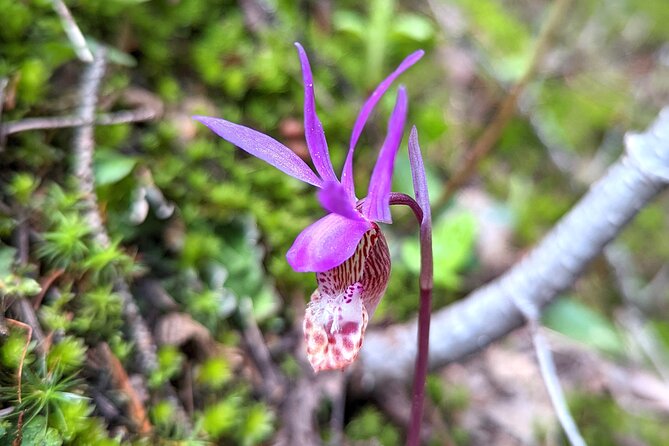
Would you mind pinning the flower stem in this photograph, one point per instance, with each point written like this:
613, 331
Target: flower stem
426, 274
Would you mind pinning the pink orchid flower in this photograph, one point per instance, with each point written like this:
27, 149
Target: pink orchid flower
346, 248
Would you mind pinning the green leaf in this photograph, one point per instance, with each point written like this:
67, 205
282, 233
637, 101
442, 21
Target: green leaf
579, 322
34, 75
7, 254
414, 27
349, 22
112, 167
115, 56
36, 432
453, 241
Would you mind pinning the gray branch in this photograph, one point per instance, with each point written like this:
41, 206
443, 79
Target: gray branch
490, 312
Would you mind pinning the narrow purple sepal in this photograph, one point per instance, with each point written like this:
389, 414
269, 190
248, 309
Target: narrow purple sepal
377, 206
418, 176
262, 146
313, 129
326, 243
366, 110
333, 198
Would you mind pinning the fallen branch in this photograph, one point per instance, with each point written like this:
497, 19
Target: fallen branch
489, 313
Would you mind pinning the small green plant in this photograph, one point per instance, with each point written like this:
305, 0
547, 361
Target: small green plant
104, 263
65, 243
169, 365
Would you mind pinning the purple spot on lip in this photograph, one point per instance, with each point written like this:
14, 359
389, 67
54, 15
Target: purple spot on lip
348, 328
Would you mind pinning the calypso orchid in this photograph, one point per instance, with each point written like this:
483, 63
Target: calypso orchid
346, 248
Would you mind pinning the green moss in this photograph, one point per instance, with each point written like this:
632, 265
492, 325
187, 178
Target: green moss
68, 355
602, 421
370, 424
221, 417
215, 372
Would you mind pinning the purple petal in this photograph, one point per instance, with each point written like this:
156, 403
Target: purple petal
423, 199
377, 206
366, 110
313, 129
333, 198
326, 243
418, 176
262, 146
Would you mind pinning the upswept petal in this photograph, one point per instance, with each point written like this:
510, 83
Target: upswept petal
262, 146
376, 206
418, 176
326, 243
366, 110
423, 199
313, 129
334, 199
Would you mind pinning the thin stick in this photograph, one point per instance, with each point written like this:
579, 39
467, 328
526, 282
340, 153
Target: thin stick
273, 385
45, 285
3, 84
73, 32
136, 409
338, 410
29, 329
21, 308
507, 108
549, 375
59, 122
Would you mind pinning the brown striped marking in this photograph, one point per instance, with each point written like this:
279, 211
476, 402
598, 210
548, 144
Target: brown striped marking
347, 295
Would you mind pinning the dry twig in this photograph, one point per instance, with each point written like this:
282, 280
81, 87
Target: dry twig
3, 84
136, 409
147, 110
507, 107
19, 372
73, 32
21, 308
273, 386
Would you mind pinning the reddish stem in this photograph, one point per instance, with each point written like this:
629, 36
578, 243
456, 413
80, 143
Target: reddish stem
426, 268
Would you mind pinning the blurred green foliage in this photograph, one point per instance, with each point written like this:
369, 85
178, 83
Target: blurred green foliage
576, 320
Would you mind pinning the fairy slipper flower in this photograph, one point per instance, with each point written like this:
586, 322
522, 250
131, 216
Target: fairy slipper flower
346, 248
